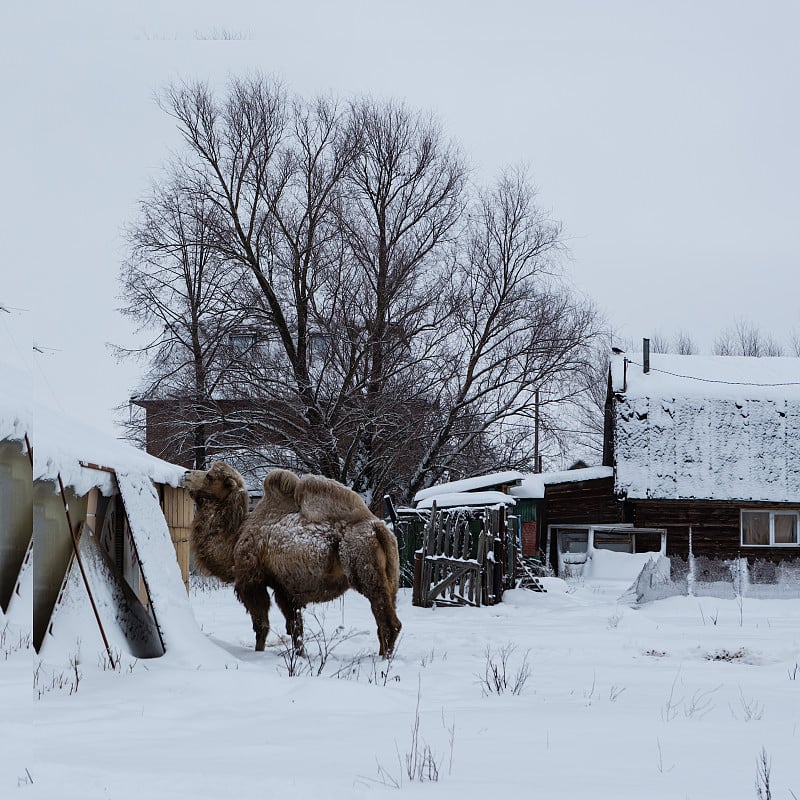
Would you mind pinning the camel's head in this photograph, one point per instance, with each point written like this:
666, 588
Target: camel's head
215, 484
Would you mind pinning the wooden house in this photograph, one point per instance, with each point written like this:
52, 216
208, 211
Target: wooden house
700, 452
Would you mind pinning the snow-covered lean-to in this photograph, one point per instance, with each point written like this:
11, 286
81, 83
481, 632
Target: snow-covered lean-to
309, 539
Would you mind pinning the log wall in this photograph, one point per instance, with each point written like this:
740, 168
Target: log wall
715, 524
715, 527
582, 503
579, 503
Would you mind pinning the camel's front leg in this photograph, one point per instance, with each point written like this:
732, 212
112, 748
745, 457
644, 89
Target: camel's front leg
294, 620
255, 598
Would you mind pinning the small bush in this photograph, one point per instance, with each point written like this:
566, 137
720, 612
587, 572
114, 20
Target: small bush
497, 675
419, 763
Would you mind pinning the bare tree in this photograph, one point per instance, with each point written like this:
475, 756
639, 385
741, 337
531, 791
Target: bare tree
271, 223
681, 344
311, 283
404, 201
176, 286
659, 343
745, 339
684, 344
400, 329
794, 342
588, 414
516, 329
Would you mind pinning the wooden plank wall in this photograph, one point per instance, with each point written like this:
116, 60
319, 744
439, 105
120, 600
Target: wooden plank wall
582, 503
579, 503
715, 528
179, 511
715, 524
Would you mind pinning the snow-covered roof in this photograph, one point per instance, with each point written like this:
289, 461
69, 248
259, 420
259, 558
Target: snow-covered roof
702, 427
532, 486
469, 484
524, 486
724, 377
455, 499
60, 444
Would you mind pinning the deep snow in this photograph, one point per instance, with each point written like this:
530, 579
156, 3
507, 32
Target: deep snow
672, 700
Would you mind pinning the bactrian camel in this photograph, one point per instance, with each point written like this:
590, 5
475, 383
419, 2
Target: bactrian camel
308, 539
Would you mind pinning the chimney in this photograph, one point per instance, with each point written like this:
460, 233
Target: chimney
645, 356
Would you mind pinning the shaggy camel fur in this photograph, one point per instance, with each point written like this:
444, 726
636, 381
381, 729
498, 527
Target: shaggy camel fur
309, 539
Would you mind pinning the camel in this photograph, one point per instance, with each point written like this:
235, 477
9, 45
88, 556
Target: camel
309, 539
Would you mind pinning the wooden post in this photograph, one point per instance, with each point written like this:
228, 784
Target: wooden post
421, 588
537, 464
416, 591
390, 509
488, 567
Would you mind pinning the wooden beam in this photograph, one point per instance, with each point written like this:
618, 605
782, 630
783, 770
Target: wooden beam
90, 465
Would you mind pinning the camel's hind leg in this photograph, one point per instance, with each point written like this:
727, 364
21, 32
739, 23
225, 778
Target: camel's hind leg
294, 619
255, 599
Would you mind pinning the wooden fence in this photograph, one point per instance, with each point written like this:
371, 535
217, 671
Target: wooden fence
178, 509
467, 557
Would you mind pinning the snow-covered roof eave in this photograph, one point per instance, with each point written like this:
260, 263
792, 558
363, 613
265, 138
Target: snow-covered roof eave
721, 428
83, 475
707, 449
65, 448
16, 415
455, 499
532, 486
742, 498
469, 484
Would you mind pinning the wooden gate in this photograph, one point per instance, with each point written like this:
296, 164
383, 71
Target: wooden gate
463, 557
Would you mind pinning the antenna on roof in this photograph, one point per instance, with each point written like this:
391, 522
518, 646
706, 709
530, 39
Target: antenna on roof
645, 356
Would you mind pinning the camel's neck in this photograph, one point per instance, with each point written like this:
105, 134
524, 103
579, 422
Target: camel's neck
215, 532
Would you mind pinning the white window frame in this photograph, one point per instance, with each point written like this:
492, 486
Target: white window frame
772, 513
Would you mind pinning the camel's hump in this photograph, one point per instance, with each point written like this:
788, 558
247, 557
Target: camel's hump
280, 490
326, 500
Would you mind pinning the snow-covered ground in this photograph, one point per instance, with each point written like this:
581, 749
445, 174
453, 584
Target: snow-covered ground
672, 700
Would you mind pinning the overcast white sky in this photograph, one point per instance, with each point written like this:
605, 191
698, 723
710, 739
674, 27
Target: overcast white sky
665, 136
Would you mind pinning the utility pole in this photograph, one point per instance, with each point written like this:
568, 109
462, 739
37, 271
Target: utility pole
537, 464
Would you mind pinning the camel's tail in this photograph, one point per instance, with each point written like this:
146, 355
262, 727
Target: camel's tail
388, 542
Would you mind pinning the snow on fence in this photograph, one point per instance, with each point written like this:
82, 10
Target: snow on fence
700, 576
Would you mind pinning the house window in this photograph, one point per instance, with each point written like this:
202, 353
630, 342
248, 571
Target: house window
784, 528
242, 343
766, 528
